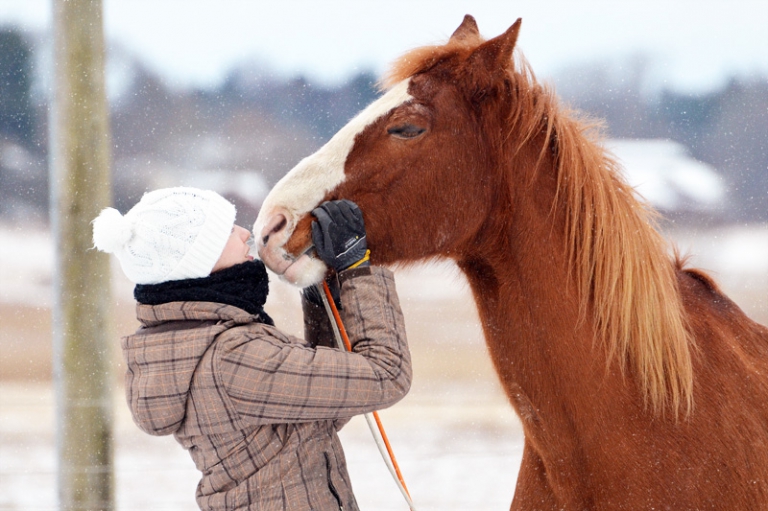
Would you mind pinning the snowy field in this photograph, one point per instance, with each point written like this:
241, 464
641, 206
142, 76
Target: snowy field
458, 449
457, 441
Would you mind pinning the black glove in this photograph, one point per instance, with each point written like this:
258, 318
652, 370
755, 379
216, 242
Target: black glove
339, 235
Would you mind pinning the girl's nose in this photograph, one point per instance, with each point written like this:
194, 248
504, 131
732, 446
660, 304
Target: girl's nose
243, 233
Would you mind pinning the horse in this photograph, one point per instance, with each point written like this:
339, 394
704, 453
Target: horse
638, 383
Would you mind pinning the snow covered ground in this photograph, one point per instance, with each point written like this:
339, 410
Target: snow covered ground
458, 449
457, 440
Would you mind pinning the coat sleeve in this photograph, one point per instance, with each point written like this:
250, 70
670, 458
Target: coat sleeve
317, 326
273, 379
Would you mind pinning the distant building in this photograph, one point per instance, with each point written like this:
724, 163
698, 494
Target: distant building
672, 181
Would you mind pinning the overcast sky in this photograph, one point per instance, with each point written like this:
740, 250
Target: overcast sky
694, 45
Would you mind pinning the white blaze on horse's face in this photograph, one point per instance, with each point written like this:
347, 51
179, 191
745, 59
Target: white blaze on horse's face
303, 188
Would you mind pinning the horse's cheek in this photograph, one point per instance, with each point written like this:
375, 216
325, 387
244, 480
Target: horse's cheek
301, 239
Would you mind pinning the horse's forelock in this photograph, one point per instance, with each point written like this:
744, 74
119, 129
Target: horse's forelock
422, 59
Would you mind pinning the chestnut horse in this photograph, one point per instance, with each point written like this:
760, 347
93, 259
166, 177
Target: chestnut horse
638, 383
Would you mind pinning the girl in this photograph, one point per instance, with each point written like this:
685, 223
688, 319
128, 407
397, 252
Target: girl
258, 410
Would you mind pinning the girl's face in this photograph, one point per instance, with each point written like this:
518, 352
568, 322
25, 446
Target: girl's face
236, 250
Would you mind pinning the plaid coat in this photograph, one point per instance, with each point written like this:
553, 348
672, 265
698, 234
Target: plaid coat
258, 410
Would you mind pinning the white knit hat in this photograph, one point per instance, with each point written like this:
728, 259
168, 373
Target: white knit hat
171, 234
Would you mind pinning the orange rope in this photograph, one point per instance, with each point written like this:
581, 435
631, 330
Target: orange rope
348, 345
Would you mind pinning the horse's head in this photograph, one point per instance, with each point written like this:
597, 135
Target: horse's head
430, 135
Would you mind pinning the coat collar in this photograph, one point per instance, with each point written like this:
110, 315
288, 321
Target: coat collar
153, 315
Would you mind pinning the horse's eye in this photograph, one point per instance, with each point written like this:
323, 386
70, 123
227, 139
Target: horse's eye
406, 131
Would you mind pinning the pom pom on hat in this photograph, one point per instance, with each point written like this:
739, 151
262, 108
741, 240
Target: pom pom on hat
111, 231
171, 234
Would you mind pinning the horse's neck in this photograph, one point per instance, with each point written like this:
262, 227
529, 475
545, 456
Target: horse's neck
540, 343
526, 303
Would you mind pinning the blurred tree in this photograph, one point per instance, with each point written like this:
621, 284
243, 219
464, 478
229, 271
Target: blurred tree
741, 135
613, 92
23, 176
728, 129
143, 115
15, 82
261, 122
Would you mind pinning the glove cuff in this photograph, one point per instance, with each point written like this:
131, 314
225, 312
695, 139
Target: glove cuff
357, 272
365, 261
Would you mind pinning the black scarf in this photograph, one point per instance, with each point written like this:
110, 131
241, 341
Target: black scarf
243, 285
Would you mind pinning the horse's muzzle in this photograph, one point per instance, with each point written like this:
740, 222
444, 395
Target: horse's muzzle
285, 247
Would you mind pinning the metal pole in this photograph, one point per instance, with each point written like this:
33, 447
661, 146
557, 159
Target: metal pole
80, 188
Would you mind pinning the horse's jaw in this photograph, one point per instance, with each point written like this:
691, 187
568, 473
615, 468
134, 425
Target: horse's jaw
304, 271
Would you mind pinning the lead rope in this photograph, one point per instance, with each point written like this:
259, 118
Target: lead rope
377, 430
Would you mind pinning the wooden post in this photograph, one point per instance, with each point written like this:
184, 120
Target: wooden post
80, 188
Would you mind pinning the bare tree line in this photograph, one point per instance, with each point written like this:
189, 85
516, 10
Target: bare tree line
262, 123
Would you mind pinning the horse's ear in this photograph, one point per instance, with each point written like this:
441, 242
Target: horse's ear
468, 29
497, 52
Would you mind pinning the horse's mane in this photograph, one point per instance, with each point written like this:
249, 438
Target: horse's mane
619, 260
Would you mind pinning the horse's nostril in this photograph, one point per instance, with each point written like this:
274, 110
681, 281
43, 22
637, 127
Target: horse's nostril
279, 222
281, 225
